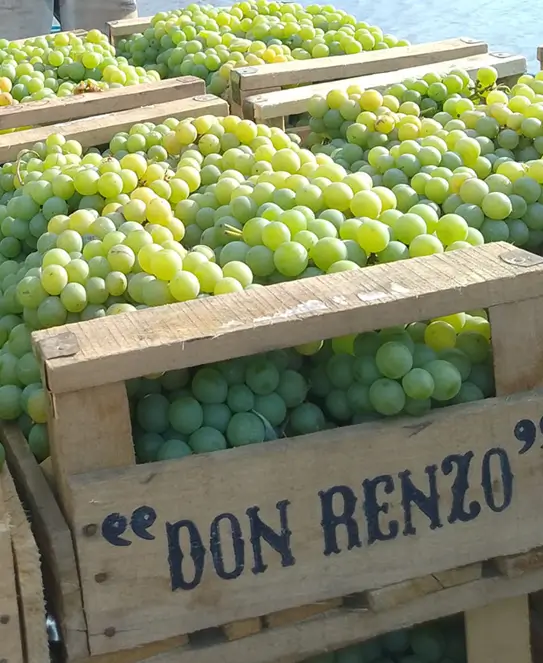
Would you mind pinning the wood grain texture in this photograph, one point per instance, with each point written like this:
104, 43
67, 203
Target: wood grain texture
253, 80
96, 131
10, 623
343, 627
127, 26
54, 540
67, 109
500, 632
207, 330
518, 358
137, 581
295, 100
29, 577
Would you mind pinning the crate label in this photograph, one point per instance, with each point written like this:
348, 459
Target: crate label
207, 539
352, 510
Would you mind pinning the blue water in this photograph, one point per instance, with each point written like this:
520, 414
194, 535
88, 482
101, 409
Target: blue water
511, 26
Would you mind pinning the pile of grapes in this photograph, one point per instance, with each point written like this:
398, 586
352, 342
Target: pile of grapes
211, 206
200, 40
436, 642
63, 64
209, 42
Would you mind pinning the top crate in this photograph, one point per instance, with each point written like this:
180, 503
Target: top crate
414, 508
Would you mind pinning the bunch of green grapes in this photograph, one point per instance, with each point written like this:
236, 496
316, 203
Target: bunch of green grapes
404, 370
436, 642
208, 42
58, 65
348, 380
224, 405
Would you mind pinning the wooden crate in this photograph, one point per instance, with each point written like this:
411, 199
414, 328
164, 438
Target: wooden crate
89, 104
293, 598
250, 81
273, 107
23, 637
127, 26
99, 129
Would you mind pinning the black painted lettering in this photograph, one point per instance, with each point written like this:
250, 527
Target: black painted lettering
113, 527
216, 548
279, 541
176, 556
428, 504
372, 508
331, 521
506, 479
460, 487
142, 519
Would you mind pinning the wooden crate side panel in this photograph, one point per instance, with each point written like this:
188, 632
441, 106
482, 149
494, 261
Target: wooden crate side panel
132, 540
294, 101
341, 628
94, 131
248, 80
204, 331
56, 110
127, 26
10, 624
29, 578
54, 540
500, 632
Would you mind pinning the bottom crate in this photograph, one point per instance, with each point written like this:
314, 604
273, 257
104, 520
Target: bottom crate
23, 637
491, 594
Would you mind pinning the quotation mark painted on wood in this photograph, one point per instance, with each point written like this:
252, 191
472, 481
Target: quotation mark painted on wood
141, 520
526, 432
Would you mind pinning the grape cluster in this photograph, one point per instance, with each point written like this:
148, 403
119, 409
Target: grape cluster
436, 642
63, 64
208, 42
210, 206
347, 380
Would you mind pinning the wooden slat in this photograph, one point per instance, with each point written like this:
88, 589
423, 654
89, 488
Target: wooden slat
10, 625
128, 26
66, 109
54, 540
301, 613
343, 627
94, 131
249, 80
135, 602
160, 339
29, 578
500, 632
294, 101
516, 334
540, 55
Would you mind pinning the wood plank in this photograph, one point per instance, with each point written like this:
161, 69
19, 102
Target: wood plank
460, 575
387, 598
250, 80
242, 628
29, 578
80, 427
127, 26
94, 131
294, 101
66, 109
342, 628
179, 335
515, 333
500, 632
516, 565
10, 625
54, 540
141, 596
300, 613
